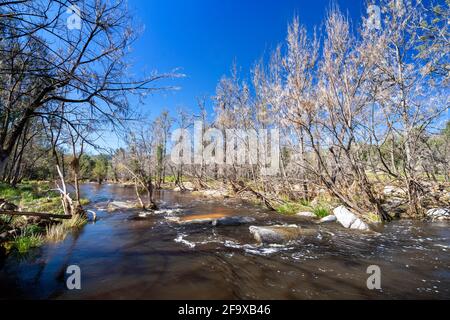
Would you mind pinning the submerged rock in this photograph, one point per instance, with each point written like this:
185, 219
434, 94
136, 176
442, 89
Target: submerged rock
143, 214
120, 205
213, 219
232, 221
349, 220
280, 233
439, 214
306, 215
196, 219
330, 218
168, 212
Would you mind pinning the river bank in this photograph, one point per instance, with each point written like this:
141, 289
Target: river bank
19, 234
435, 201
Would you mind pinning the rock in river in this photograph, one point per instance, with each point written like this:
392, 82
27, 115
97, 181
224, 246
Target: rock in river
349, 220
439, 214
120, 205
232, 221
330, 218
213, 219
280, 233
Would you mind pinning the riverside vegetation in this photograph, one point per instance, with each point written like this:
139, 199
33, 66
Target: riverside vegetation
19, 234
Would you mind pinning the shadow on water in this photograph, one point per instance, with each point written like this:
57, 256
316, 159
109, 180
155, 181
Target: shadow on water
122, 256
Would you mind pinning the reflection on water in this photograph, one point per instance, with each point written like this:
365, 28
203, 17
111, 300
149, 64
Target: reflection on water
123, 256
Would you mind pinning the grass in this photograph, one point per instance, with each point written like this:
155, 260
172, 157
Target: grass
170, 178
36, 197
55, 232
58, 232
84, 201
77, 222
321, 209
32, 229
32, 196
373, 217
24, 243
321, 212
291, 208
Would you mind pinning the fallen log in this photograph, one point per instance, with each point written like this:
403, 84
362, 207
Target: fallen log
35, 214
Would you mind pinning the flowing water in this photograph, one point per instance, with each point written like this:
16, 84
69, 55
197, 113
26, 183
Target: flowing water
122, 256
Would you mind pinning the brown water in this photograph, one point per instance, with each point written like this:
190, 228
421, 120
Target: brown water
124, 257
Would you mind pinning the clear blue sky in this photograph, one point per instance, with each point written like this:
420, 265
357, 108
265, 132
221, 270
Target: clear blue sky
204, 37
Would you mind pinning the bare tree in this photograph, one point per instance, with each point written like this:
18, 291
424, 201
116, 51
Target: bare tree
43, 63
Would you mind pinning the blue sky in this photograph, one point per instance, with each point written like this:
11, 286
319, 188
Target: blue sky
204, 37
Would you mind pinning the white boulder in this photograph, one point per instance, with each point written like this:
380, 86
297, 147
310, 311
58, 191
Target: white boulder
439, 214
330, 218
349, 220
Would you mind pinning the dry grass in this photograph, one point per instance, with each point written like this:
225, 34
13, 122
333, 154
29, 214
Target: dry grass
76, 222
56, 232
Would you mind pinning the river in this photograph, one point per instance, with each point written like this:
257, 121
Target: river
122, 256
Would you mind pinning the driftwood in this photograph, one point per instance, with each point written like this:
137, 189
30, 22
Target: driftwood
35, 214
66, 200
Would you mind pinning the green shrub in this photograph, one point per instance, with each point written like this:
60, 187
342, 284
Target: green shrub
84, 201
